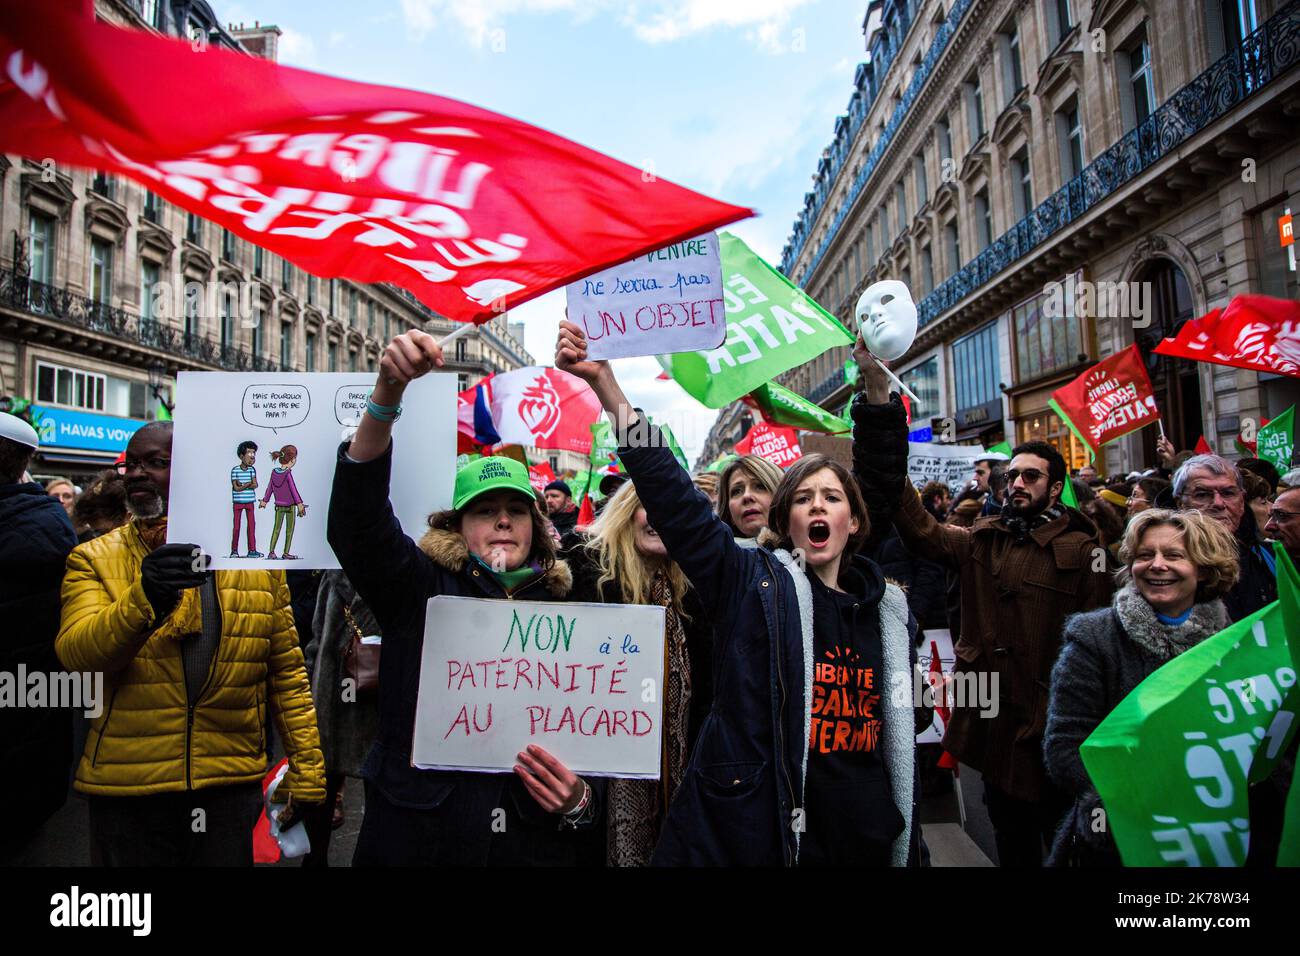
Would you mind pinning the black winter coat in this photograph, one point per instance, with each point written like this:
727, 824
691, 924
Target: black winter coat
1257, 585
744, 782
430, 817
35, 742
926, 582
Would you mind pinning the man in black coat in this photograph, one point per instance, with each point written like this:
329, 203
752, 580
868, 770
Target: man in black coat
35, 540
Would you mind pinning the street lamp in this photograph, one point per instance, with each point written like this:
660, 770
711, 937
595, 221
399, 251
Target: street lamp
156, 375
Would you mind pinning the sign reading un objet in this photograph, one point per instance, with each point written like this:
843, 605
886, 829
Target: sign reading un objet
669, 300
60, 428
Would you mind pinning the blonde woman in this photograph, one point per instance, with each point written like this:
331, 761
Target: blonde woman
623, 561
745, 493
1177, 566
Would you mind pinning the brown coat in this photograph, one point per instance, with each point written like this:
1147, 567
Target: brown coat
1015, 596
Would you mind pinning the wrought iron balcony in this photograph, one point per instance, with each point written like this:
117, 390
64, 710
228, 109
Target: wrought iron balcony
1267, 53
22, 294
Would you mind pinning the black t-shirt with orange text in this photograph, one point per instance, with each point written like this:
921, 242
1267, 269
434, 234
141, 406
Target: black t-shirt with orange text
849, 815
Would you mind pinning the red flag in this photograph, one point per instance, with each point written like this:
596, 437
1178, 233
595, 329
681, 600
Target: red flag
1111, 399
473, 211
266, 849
1198, 339
941, 708
663, 377
540, 475
1249, 446
544, 408
1203, 447
586, 514
778, 444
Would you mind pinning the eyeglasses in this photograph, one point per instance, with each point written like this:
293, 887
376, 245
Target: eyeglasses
1205, 496
1032, 476
1278, 515
148, 464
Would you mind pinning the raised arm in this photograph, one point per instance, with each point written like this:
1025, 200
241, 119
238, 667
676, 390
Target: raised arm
703, 547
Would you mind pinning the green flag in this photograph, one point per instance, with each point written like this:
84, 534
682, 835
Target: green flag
1275, 441
851, 372
781, 406
1173, 761
672, 444
604, 445
1068, 497
772, 326
721, 462
164, 413
1002, 448
1288, 580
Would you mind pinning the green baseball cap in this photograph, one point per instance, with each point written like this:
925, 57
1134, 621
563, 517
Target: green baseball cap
490, 474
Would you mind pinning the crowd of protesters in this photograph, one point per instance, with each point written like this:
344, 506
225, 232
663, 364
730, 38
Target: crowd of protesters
764, 575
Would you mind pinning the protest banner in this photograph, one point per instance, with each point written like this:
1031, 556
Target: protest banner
343, 179
1275, 440
934, 461
542, 407
582, 681
1173, 761
668, 300
306, 416
772, 326
778, 445
1108, 401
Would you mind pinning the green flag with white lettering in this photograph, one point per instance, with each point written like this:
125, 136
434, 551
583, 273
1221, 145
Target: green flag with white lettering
1173, 762
1275, 441
780, 406
772, 327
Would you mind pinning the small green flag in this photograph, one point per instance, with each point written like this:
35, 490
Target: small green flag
780, 406
1068, 497
1002, 448
1173, 762
673, 446
1276, 441
721, 462
164, 414
772, 327
1288, 580
851, 372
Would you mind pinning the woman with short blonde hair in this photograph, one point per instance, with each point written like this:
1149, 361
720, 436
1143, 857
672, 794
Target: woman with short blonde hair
745, 493
1177, 566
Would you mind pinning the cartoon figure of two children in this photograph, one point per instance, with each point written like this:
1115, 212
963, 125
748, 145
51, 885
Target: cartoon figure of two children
288, 502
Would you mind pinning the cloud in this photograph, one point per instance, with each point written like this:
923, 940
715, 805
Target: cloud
296, 49
651, 21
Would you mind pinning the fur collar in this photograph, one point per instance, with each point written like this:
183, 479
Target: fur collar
448, 550
1164, 642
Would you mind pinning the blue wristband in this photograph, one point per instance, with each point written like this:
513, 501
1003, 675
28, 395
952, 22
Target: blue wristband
384, 413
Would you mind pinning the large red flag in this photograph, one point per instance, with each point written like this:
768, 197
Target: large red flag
1259, 333
544, 408
473, 211
1111, 399
779, 445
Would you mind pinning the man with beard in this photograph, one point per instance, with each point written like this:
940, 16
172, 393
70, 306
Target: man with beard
1213, 486
1022, 572
191, 659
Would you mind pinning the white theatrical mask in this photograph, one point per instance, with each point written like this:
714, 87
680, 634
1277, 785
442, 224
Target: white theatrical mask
886, 316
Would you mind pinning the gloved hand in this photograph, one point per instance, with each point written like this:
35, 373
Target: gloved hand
167, 571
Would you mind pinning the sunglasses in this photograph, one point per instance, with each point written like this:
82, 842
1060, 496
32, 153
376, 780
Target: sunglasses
1032, 476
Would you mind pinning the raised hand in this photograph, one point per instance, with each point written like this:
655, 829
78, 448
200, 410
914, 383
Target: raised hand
571, 354
408, 357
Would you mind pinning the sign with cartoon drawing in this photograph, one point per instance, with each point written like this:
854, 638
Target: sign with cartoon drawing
253, 459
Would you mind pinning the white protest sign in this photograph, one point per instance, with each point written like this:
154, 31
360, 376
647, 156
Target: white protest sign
932, 461
302, 417
582, 681
940, 640
669, 300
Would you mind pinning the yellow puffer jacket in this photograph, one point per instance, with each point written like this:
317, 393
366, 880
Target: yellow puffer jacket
146, 739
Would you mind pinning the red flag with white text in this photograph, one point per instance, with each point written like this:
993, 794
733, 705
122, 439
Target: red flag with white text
1253, 332
1108, 401
778, 444
472, 211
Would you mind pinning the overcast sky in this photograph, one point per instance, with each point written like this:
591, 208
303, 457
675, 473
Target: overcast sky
734, 98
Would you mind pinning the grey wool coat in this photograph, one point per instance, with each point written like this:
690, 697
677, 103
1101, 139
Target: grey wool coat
347, 728
1103, 658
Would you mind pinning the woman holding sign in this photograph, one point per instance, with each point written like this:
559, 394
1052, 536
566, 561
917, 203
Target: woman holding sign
624, 561
492, 544
808, 756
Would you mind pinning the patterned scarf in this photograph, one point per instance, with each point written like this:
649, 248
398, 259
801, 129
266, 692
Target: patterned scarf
637, 807
187, 617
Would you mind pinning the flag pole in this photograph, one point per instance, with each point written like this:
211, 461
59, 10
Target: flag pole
896, 380
451, 336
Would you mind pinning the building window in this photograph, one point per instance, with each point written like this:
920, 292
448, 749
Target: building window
149, 12
352, 360
983, 219
1013, 72
192, 296
1023, 191
333, 351
927, 270
286, 275
1047, 426
352, 310
952, 242
311, 289
922, 183
256, 334
945, 147
227, 320
152, 206
257, 261
900, 198
149, 273
334, 297
58, 385
975, 106
193, 229
923, 379
460, 350
101, 271
286, 344
388, 326
871, 246
1060, 14
41, 242
462, 382
975, 367
370, 318
102, 183
370, 363
1070, 133
227, 245
1043, 344
1239, 20
1138, 93
309, 350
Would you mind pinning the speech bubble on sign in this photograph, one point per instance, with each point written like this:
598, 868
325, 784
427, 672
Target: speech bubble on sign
350, 403
276, 406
